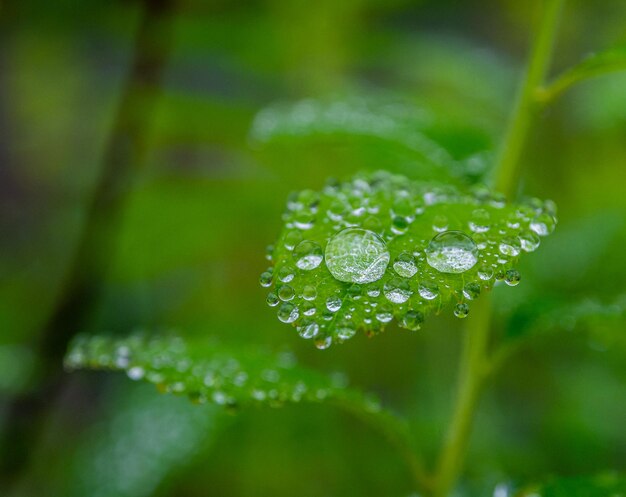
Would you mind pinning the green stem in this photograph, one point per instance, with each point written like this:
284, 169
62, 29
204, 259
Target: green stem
508, 164
471, 375
474, 361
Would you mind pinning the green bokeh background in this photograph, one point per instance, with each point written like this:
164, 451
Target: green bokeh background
207, 201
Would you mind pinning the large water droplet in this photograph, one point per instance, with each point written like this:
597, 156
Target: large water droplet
308, 255
452, 252
356, 255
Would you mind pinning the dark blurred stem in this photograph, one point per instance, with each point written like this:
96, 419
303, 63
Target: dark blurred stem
508, 166
474, 364
122, 157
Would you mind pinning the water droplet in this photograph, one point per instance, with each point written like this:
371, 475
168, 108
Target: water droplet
286, 274
399, 225
440, 223
405, 265
308, 329
333, 303
412, 320
543, 224
288, 313
428, 290
265, 279
479, 222
308, 255
286, 293
397, 290
356, 255
272, 299
461, 310
304, 220
512, 277
136, 373
452, 252
323, 343
485, 272
309, 292
529, 240
292, 239
308, 309
510, 246
345, 331
471, 291
336, 211
373, 292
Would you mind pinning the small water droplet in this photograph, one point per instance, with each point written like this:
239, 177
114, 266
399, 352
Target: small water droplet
412, 320
292, 239
272, 299
309, 292
543, 224
265, 279
428, 290
286, 274
510, 246
308, 309
288, 313
345, 331
355, 255
405, 265
471, 291
308, 329
308, 255
286, 293
440, 223
333, 303
452, 252
384, 314
399, 225
529, 240
512, 277
322, 343
485, 272
461, 310
136, 373
397, 290
479, 222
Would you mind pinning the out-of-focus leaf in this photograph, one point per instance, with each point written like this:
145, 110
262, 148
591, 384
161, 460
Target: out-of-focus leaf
213, 372
596, 64
610, 485
399, 124
379, 246
142, 441
16, 365
542, 316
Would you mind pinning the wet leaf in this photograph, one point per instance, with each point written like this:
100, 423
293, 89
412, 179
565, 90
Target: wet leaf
362, 252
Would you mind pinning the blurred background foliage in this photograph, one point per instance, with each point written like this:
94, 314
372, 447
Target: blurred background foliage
208, 199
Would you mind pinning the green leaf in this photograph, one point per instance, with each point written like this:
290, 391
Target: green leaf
610, 60
359, 253
212, 372
398, 123
538, 317
609, 485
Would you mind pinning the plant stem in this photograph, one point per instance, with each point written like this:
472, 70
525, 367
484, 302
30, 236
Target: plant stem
471, 376
506, 173
474, 357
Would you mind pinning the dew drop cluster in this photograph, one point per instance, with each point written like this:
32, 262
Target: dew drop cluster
209, 373
361, 253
